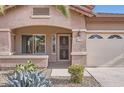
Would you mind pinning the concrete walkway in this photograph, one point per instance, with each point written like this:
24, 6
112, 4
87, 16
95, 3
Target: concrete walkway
108, 77
64, 72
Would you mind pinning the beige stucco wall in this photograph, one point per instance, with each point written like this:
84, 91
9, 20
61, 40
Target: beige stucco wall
105, 23
5, 42
17, 18
48, 31
79, 47
13, 60
77, 20
20, 16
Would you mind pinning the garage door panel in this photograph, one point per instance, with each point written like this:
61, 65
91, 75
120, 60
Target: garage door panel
105, 52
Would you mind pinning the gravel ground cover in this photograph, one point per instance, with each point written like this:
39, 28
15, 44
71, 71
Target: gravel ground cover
57, 81
3, 77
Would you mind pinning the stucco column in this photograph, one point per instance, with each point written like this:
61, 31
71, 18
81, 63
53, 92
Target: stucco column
79, 46
5, 42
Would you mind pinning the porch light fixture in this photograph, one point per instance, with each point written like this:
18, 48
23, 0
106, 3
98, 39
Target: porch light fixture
79, 36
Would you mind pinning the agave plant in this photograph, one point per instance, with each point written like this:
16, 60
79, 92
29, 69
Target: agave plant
28, 79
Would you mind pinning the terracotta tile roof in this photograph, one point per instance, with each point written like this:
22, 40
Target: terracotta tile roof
83, 9
89, 6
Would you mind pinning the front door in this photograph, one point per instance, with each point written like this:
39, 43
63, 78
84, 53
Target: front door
63, 47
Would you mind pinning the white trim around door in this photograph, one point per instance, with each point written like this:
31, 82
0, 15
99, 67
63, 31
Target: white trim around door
68, 47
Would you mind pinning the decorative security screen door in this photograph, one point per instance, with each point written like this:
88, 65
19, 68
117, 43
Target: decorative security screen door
64, 47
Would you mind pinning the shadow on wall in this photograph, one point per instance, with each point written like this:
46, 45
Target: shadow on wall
117, 61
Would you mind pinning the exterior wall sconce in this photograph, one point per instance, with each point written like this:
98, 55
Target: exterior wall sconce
79, 36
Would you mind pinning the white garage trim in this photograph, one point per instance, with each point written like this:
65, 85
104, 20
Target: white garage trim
105, 31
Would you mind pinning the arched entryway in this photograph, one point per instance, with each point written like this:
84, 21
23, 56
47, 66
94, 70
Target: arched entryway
44, 40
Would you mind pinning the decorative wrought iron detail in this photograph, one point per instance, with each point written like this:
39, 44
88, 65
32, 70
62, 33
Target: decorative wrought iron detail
115, 36
95, 36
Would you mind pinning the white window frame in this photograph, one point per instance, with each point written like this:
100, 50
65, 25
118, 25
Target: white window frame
33, 36
44, 43
58, 57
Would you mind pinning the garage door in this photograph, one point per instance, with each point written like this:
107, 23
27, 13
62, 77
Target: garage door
105, 50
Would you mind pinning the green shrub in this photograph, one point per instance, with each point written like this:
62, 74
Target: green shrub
29, 66
28, 79
76, 72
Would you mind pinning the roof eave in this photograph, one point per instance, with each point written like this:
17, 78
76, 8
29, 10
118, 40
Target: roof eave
83, 10
108, 15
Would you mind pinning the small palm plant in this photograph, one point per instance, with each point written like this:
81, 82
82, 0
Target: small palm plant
2, 9
63, 9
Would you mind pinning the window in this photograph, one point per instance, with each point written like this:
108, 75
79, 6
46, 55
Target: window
115, 36
33, 44
53, 43
95, 36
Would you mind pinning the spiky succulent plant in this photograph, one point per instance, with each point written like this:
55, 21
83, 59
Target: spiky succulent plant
28, 79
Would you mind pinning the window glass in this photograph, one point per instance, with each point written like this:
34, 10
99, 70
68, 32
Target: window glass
39, 44
27, 44
53, 43
33, 44
95, 36
115, 36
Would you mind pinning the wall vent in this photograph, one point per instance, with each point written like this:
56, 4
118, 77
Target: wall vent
38, 11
